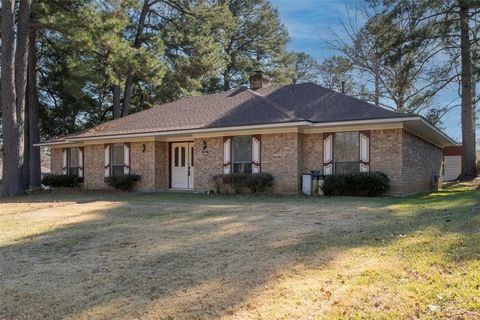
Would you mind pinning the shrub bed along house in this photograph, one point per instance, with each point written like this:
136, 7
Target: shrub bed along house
61, 181
243, 182
368, 184
125, 182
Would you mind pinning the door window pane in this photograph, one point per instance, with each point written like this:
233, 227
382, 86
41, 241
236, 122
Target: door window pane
346, 152
176, 156
191, 156
183, 156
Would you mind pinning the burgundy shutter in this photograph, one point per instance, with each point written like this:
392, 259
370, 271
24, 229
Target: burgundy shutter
227, 155
364, 143
64, 161
327, 153
107, 168
80, 162
256, 154
126, 158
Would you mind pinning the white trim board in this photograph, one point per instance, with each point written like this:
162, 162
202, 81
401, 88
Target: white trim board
301, 126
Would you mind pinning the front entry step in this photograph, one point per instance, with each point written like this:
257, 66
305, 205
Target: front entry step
181, 191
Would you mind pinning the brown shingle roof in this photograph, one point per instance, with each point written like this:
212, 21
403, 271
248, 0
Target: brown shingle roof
239, 107
314, 103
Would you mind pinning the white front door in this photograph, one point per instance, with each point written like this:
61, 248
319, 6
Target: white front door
182, 165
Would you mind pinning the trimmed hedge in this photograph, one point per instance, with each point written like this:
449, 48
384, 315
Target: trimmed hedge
366, 184
242, 182
124, 182
61, 181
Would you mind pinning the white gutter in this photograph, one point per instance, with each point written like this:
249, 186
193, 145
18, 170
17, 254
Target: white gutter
438, 131
345, 123
250, 127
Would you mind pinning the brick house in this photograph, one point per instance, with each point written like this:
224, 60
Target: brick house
284, 131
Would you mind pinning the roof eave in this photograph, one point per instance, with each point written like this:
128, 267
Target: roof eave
440, 137
177, 132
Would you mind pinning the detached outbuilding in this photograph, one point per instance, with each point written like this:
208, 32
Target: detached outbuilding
452, 162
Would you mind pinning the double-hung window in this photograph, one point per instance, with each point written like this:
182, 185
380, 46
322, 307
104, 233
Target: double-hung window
73, 161
118, 160
242, 154
346, 152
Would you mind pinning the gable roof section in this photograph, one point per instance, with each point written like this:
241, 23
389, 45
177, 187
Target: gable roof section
317, 104
237, 107
283, 105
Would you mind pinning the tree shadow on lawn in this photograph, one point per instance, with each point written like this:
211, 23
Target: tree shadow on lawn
200, 261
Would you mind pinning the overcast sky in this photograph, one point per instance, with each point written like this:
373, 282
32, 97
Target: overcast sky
309, 23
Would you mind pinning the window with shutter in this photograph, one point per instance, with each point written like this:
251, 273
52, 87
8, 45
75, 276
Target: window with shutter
73, 161
117, 159
242, 154
346, 152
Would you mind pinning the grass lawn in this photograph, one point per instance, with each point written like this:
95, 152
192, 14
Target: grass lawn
177, 256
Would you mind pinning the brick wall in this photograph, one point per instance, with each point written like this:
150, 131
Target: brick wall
207, 166
282, 158
386, 155
94, 161
143, 163
421, 161
409, 161
56, 155
161, 165
312, 152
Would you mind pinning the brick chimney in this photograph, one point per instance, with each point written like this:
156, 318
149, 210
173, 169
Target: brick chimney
258, 80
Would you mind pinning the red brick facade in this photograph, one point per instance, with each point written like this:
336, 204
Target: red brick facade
409, 161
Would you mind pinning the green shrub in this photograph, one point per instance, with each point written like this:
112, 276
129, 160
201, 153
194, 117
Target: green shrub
243, 182
368, 184
124, 182
61, 181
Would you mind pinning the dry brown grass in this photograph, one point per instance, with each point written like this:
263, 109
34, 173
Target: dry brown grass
106, 256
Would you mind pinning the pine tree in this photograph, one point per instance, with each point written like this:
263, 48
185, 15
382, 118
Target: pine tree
452, 27
251, 35
14, 86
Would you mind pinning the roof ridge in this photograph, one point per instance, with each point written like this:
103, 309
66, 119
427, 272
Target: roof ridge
355, 98
276, 107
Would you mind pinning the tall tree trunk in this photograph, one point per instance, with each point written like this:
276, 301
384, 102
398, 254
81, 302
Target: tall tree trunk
377, 86
21, 71
33, 114
127, 95
11, 184
116, 101
226, 80
468, 112
26, 142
